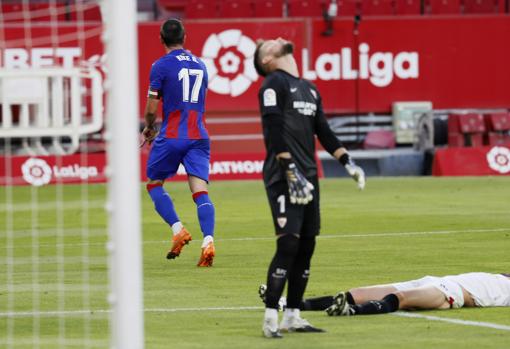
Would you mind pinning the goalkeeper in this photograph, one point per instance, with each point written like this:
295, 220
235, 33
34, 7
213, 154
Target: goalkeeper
292, 115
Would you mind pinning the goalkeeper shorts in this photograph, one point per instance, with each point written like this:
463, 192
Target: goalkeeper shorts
288, 218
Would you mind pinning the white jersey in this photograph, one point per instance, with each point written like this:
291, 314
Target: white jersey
487, 290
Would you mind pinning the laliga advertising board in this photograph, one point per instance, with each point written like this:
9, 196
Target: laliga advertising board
444, 60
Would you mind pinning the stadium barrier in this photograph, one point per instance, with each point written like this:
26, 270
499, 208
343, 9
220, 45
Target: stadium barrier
472, 161
50, 104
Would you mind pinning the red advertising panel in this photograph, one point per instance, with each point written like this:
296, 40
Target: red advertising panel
455, 62
479, 161
44, 46
90, 168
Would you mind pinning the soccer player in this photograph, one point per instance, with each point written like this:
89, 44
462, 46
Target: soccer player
180, 79
292, 116
429, 292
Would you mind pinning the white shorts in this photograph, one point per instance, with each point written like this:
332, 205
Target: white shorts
451, 290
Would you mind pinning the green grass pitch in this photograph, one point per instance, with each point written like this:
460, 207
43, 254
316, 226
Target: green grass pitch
397, 229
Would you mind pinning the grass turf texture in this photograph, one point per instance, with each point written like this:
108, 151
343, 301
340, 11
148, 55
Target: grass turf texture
361, 243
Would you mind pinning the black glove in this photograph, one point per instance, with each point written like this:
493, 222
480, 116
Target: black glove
353, 170
300, 190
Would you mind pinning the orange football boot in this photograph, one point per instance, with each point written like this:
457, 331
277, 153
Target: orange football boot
178, 241
207, 256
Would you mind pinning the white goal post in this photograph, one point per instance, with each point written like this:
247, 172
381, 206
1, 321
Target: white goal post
124, 184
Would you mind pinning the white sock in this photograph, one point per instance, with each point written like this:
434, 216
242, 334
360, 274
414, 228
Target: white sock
291, 312
207, 240
271, 314
176, 227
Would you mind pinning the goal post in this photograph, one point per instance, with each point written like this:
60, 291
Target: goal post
124, 183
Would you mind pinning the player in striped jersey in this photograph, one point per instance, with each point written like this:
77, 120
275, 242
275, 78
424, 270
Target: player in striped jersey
180, 79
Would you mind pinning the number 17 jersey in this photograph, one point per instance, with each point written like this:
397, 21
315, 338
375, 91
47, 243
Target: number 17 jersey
180, 79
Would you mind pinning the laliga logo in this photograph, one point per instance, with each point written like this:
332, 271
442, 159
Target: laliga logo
36, 172
499, 159
232, 52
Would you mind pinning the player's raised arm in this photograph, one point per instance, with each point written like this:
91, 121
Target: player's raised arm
333, 146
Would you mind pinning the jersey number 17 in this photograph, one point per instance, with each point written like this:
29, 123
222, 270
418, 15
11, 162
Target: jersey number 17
184, 75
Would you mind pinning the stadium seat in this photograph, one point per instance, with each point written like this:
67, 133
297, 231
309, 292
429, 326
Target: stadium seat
201, 9
498, 127
268, 8
348, 7
377, 8
306, 8
465, 130
442, 7
173, 5
381, 139
235, 9
408, 7
481, 6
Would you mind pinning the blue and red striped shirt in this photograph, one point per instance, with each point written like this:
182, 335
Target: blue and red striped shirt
180, 79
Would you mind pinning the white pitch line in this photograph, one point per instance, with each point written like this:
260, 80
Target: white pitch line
175, 310
326, 236
454, 321
107, 311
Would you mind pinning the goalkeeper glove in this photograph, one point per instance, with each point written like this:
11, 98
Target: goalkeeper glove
353, 170
300, 190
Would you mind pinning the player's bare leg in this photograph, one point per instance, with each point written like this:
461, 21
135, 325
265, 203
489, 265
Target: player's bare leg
206, 217
165, 208
371, 293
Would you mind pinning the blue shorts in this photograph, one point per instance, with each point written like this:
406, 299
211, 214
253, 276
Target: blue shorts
168, 153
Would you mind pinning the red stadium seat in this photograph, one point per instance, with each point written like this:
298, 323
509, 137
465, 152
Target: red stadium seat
377, 8
268, 8
306, 8
465, 130
201, 9
408, 7
348, 7
236, 9
173, 5
498, 125
481, 6
442, 7
382, 139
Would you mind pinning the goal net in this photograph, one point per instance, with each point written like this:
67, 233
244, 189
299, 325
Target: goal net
67, 278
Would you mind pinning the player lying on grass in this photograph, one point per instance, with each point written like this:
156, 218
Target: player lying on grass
429, 292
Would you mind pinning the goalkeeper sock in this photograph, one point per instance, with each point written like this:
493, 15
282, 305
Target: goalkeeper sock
163, 203
286, 249
205, 211
388, 304
318, 303
300, 272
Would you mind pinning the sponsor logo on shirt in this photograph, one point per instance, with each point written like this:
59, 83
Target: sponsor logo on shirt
305, 108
